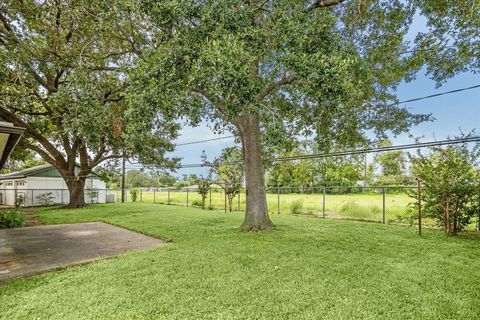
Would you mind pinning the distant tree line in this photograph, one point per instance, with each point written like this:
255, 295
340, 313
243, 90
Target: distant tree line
346, 173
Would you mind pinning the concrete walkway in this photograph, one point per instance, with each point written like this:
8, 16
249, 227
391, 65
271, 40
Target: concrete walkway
31, 250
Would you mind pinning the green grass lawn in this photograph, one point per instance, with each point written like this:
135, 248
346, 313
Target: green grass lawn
307, 268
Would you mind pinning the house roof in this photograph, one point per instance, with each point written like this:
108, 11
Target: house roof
30, 172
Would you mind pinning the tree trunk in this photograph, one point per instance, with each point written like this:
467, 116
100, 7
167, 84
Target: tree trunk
76, 189
256, 214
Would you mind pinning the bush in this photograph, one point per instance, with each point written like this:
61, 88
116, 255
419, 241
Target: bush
134, 192
46, 198
11, 219
20, 201
197, 203
450, 183
296, 207
354, 210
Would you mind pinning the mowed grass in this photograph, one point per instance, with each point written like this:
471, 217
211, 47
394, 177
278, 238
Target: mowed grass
363, 205
307, 268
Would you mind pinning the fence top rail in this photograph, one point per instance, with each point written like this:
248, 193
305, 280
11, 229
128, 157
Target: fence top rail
274, 188
338, 186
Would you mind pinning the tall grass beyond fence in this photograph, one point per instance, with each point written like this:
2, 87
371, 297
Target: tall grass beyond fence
384, 204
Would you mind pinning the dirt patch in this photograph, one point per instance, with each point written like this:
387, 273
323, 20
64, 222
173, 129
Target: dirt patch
32, 218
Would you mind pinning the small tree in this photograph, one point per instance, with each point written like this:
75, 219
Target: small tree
451, 185
45, 199
229, 172
92, 193
204, 184
134, 192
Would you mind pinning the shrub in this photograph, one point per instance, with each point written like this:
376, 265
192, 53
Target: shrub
92, 193
296, 207
450, 184
20, 201
46, 198
134, 192
11, 219
197, 203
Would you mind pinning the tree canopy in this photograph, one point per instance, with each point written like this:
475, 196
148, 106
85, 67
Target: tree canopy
64, 77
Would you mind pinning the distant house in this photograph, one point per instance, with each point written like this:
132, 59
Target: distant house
43, 185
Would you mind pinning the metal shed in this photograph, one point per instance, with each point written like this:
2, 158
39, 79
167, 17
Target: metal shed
43, 185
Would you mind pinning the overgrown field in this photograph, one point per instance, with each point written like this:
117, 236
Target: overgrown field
307, 268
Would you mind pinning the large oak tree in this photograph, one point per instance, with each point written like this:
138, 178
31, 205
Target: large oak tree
64, 77
275, 70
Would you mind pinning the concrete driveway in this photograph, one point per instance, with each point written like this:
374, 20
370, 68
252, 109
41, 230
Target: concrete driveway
31, 250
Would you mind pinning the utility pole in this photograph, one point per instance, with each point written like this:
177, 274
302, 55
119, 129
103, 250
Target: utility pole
123, 178
365, 172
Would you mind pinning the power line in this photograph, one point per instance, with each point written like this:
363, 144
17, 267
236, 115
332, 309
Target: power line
388, 105
202, 141
383, 149
357, 151
434, 95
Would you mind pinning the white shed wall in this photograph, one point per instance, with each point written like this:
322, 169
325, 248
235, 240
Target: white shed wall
34, 187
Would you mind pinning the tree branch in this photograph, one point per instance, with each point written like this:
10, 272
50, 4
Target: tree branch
274, 86
323, 4
96, 160
30, 113
29, 131
84, 158
38, 150
109, 157
218, 104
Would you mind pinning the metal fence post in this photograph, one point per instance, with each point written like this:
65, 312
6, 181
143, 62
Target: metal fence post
168, 199
32, 198
383, 205
154, 194
419, 190
323, 202
238, 209
278, 199
478, 216
141, 197
210, 197
187, 197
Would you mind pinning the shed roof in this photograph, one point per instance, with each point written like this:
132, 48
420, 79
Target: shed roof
44, 168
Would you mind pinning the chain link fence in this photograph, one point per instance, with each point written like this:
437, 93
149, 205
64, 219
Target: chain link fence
46, 197
383, 204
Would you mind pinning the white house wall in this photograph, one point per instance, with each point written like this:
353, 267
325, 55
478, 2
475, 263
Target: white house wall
35, 187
